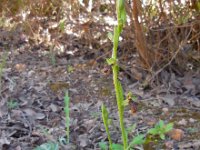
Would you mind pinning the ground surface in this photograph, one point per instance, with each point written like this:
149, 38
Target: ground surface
33, 87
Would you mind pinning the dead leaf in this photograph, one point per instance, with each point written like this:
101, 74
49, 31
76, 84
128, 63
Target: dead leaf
20, 67
194, 144
83, 139
16, 113
188, 82
4, 140
53, 107
39, 116
57, 86
176, 134
169, 99
29, 112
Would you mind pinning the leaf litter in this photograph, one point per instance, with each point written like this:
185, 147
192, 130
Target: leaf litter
38, 86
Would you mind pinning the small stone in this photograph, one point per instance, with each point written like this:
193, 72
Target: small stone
191, 120
165, 110
53, 107
182, 122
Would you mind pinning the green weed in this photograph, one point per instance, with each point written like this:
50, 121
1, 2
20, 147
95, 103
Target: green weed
121, 19
48, 146
161, 129
55, 145
106, 122
11, 104
70, 69
67, 116
62, 25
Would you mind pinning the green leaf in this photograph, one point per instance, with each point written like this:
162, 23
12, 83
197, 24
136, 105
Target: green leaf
103, 145
110, 36
48, 146
161, 123
11, 104
117, 146
62, 25
70, 69
131, 128
162, 136
125, 103
111, 61
153, 131
106, 122
62, 140
134, 98
104, 113
138, 140
169, 127
121, 92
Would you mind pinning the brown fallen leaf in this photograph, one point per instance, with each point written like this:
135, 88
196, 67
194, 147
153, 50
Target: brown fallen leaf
57, 86
20, 67
176, 134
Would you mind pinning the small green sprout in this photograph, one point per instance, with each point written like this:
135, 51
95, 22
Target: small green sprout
137, 140
161, 129
106, 122
62, 25
48, 146
70, 69
67, 117
103, 145
12, 104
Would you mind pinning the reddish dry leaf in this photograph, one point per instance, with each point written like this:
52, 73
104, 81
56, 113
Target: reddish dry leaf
20, 67
176, 134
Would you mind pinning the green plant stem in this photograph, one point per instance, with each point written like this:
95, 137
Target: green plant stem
118, 87
106, 124
121, 17
66, 109
120, 98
